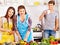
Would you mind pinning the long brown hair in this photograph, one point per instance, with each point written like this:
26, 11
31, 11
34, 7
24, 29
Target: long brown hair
6, 16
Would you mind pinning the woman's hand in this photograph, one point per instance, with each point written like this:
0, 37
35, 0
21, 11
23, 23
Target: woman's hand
25, 39
19, 38
8, 30
11, 32
26, 36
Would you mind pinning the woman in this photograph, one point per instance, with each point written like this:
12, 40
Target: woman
23, 24
6, 26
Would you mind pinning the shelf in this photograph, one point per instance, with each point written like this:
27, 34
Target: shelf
34, 3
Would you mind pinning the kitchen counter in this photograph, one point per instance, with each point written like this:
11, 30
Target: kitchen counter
37, 35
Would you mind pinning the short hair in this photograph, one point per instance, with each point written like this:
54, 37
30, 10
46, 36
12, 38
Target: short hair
51, 2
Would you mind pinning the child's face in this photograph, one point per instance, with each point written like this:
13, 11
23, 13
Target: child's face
50, 6
22, 11
10, 12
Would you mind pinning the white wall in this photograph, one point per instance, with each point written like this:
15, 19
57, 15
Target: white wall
3, 8
58, 8
35, 12
59, 13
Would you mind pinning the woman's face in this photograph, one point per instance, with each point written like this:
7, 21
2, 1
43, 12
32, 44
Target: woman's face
21, 11
10, 12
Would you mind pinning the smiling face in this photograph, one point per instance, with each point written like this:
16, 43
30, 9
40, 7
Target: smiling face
10, 12
22, 11
50, 6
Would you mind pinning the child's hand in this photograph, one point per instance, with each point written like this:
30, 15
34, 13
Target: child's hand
11, 32
8, 31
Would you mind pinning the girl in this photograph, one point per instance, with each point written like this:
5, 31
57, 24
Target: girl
6, 26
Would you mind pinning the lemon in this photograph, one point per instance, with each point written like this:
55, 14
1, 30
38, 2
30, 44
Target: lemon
36, 3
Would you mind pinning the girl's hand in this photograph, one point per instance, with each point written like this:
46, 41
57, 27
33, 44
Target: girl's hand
25, 39
8, 31
11, 32
19, 38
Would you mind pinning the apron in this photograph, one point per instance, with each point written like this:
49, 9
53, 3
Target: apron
23, 28
6, 37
